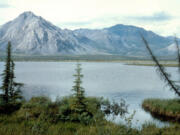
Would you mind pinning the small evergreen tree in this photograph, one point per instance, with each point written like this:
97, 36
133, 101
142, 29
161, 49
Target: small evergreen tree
79, 107
11, 89
15, 88
6, 76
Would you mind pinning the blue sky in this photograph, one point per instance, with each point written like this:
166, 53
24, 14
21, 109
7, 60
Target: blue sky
161, 16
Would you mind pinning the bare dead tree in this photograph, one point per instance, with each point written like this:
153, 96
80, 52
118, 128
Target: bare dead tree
178, 54
161, 70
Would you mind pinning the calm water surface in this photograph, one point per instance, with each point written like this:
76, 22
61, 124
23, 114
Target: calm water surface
110, 80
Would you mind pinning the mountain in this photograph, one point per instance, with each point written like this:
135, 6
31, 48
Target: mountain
126, 40
31, 34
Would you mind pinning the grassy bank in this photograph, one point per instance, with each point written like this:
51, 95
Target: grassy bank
41, 116
165, 109
11, 126
35, 127
87, 58
165, 63
144, 64
70, 58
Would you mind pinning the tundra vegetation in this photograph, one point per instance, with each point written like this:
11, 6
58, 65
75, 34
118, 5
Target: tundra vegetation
75, 114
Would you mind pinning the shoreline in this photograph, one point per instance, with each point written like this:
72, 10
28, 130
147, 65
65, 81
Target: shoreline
163, 109
165, 63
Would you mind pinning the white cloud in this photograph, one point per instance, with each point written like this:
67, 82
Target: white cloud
98, 13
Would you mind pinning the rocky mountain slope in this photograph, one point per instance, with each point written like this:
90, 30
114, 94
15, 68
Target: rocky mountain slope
31, 34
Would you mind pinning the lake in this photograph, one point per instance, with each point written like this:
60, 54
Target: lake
110, 80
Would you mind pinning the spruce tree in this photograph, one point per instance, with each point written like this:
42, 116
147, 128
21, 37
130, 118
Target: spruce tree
6, 76
79, 105
79, 110
11, 89
15, 88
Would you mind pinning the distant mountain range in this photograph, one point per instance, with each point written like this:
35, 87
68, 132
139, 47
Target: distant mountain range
31, 34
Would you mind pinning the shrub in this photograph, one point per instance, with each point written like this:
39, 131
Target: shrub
34, 108
9, 108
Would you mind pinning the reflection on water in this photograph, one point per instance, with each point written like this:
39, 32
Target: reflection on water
110, 80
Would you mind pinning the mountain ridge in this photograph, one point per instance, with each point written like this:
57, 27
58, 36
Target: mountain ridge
31, 34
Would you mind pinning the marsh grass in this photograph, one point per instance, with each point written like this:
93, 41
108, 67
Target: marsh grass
39, 116
11, 126
152, 129
167, 109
